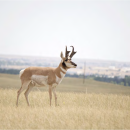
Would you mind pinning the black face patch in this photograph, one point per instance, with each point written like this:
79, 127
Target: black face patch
64, 65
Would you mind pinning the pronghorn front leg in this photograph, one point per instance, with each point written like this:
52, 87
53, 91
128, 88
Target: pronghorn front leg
50, 93
54, 92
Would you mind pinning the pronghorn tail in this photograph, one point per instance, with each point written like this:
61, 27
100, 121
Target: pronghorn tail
21, 72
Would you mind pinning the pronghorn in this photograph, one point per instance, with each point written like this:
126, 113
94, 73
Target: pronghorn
45, 76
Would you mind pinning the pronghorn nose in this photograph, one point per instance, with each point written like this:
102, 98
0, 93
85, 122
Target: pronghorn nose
74, 64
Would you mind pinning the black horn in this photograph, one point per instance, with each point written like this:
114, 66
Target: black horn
66, 53
72, 53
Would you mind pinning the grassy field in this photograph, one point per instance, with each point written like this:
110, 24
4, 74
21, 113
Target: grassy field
69, 85
104, 106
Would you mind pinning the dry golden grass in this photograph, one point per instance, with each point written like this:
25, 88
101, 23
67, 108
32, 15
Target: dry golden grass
108, 108
75, 111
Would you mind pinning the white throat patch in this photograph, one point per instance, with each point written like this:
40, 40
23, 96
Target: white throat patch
63, 69
58, 80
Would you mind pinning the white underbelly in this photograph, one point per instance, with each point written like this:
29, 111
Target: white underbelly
40, 80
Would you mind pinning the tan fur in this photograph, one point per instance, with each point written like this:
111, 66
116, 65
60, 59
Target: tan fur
43, 76
45, 71
42, 71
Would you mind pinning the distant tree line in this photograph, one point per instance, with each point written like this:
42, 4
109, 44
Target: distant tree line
72, 75
9, 71
116, 80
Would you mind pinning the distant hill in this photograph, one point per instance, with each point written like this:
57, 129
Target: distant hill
93, 67
6, 60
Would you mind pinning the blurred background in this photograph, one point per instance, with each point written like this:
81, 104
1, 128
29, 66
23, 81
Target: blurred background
97, 29
96, 94
33, 33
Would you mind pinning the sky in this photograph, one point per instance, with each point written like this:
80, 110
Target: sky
96, 29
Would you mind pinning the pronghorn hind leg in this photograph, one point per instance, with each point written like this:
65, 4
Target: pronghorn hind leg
50, 93
30, 86
23, 87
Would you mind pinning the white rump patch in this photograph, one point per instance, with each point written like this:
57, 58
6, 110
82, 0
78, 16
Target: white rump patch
21, 72
40, 79
58, 80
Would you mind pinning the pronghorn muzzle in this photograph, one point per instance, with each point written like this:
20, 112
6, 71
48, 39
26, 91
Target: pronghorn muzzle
73, 64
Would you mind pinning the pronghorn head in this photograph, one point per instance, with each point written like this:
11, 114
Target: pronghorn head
66, 61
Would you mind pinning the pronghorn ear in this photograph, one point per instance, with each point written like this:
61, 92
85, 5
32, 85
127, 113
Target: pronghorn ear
61, 55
